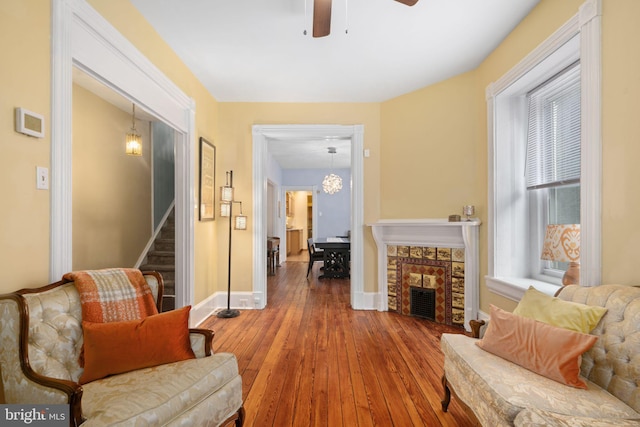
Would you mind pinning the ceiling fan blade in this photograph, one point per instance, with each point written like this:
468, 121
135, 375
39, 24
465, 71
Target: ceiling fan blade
408, 2
321, 18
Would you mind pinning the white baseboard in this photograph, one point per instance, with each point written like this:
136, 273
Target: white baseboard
248, 301
217, 301
482, 315
366, 301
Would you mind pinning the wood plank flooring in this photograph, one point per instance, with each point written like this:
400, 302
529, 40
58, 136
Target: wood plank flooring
308, 359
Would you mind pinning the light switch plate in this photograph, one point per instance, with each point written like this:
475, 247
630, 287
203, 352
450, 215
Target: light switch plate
42, 178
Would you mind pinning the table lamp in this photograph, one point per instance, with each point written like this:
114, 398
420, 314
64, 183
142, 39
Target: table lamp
562, 244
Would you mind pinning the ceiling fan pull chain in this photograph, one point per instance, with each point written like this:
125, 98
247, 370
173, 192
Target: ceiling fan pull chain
346, 16
305, 18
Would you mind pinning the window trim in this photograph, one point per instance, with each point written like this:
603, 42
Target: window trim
505, 275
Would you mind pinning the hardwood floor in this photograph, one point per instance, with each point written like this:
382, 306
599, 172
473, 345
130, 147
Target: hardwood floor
308, 359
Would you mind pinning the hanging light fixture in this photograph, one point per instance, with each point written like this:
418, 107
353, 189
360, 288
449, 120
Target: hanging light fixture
332, 183
133, 141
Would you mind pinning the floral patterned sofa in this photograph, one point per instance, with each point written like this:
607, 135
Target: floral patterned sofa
41, 337
500, 393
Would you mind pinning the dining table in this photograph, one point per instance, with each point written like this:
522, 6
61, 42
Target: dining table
336, 256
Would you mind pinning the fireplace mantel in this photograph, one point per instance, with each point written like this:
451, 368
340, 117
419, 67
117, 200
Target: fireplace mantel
436, 233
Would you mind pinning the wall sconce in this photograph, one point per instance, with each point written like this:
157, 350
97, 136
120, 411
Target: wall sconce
562, 244
133, 141
240, 223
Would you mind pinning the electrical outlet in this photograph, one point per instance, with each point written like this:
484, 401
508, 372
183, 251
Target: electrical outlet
42, 178
243, 302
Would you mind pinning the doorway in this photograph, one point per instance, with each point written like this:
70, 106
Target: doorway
261, 136
300, 216
101, 52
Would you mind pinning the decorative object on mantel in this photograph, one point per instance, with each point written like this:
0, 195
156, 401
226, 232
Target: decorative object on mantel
133, 141
332, 183
562, 244
468, 210
240, 221
454, 218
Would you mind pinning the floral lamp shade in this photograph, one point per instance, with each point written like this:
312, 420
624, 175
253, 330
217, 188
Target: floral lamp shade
562, 244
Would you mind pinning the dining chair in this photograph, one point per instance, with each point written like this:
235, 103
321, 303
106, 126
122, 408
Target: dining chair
314, 255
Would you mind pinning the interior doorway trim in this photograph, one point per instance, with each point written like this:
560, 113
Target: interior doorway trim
261, 136
81, 37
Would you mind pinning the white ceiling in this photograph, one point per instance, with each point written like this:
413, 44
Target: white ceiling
255, 51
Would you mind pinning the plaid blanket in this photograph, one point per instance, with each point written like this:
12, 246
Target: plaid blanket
112, 295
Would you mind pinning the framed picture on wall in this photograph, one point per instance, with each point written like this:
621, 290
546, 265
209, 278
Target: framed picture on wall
207, 180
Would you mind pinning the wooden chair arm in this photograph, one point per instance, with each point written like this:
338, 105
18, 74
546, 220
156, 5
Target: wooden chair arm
475, 327
208, 338
73, 391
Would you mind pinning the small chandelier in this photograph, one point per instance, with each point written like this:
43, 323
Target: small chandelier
332, 183
133, 141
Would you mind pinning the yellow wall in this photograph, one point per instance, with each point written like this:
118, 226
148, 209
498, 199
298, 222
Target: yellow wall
621, 91
24, 82
430, 156
111, 190
620, 141
440, 130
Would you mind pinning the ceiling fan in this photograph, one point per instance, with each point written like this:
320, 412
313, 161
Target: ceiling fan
322, 16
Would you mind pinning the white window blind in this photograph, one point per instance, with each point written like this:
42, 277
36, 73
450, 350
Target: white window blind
553, 140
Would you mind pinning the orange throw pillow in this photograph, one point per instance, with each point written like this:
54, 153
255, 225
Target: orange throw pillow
117, 347
553, 352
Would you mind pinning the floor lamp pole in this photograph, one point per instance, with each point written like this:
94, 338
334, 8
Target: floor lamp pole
228, 312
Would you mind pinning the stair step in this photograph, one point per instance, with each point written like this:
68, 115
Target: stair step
167, 271
168, 303
161, 258
164, 245
158, 258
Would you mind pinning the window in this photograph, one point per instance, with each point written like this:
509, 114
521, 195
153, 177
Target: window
545, 167
553, 162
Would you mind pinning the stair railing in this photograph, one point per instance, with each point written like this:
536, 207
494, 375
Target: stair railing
157, 231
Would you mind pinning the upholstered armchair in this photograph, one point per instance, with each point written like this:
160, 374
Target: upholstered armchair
41, 339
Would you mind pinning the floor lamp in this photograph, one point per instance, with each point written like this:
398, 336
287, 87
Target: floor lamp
240, 223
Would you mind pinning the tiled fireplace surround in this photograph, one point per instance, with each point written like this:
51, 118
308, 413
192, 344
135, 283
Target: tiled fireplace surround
429, 257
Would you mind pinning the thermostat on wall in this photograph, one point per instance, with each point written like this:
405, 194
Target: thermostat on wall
29, 123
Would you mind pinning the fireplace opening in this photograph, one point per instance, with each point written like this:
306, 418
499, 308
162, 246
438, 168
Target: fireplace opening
423, 303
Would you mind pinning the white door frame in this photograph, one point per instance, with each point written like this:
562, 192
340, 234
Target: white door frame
261, 135
81, 37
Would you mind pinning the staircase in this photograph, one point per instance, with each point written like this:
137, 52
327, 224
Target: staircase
161, 258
